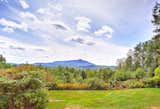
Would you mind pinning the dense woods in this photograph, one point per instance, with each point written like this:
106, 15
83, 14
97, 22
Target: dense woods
23, 86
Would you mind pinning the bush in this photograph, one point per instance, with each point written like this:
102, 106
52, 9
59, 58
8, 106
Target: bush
139, 73
72, 86
51, 86
31, 99
122, 76
3, 101
96, 83
23, 93
152, 82
134, 84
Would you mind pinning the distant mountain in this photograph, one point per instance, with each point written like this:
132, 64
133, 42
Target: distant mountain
73, 63
69, 63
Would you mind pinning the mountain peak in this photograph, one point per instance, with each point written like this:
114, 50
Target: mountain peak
80, 60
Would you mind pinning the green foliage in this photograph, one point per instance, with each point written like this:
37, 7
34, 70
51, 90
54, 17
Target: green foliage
140, 73
33, 99
3, 64
152, 82
51, 86
157, 72
72, 86
105, 74
2, 59
134, 84
3, 102
22, 92
122, 75
95, 83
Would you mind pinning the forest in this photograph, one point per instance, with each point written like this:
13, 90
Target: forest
24, 86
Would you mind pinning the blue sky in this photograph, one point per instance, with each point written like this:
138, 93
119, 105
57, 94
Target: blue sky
100, 31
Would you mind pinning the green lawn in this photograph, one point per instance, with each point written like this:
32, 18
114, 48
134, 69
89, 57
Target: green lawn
111, 99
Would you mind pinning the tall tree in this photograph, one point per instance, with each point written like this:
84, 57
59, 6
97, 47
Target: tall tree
156, 18
156, 38
2, 59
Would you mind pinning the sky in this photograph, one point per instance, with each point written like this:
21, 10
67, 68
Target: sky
99, 31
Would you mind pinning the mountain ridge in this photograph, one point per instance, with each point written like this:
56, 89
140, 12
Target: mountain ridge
79, 63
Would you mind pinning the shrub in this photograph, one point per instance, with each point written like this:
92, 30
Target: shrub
155, 81
30, 99
122, 76
51, 86
3, 101
96, 83
105, 74
133, 84
152, 82
23, 93
139, 73
72, 86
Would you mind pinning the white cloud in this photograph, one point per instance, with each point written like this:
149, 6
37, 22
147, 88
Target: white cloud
24, 4
45, 26
83, 23
104, 31
9, 26
42, 11
28, 15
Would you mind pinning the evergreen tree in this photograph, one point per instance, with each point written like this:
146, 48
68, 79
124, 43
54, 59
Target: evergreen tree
2, 59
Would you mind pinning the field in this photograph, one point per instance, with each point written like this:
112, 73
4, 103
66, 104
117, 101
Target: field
112, 99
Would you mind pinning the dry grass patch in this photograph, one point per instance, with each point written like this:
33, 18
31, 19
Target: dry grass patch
154, 107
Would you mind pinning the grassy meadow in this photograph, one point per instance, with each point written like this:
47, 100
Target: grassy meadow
148, 98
